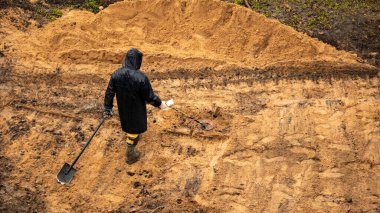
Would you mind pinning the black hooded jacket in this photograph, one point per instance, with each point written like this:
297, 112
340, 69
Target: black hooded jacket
133, 90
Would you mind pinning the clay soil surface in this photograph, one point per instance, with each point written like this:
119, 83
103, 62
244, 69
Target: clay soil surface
298, 128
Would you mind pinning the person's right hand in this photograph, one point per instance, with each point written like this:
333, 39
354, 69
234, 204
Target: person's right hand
107, 114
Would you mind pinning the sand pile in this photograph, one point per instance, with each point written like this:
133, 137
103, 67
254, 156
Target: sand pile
173, 34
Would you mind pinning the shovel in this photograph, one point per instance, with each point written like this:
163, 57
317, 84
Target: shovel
67, 172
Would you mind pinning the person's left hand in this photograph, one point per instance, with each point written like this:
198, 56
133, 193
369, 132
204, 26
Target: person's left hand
163, 105
166, 104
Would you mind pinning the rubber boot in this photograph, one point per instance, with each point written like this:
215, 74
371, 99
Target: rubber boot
132, 156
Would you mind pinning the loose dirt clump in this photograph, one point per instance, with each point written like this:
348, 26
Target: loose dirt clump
17, 127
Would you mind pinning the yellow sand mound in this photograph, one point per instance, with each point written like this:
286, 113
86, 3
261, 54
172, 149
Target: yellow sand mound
173, 34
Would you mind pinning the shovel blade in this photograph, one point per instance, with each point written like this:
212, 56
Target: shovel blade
65, 176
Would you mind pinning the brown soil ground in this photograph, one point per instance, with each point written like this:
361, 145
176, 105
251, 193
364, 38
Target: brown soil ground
298, 129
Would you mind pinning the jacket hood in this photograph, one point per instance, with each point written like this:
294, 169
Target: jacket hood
133, 59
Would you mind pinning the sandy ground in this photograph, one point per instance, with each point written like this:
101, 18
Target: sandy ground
298, 128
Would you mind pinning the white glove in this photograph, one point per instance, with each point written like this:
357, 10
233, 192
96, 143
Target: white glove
166, 104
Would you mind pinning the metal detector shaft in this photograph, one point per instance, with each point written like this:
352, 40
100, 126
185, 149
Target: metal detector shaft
203, 125
85, 146
187, 115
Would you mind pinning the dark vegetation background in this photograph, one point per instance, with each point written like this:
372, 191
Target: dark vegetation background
351, 25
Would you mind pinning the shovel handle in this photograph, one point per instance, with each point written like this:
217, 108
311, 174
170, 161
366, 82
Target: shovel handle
87, 143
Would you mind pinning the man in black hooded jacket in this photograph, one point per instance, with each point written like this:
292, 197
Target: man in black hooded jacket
133, 90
